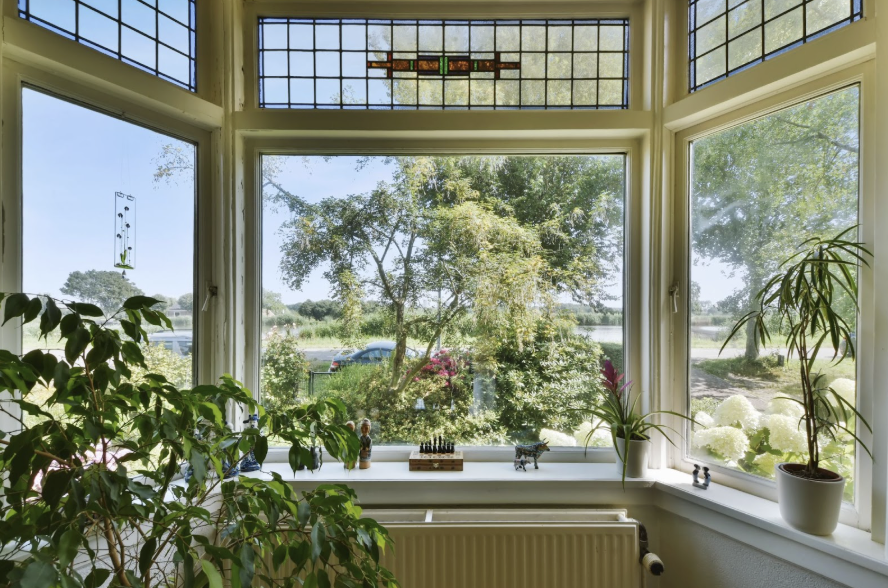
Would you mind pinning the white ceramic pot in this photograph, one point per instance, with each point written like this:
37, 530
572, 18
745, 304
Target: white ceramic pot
636, 461
811, 506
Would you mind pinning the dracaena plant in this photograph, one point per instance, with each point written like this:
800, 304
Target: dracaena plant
615, 411
95, 495
813, 298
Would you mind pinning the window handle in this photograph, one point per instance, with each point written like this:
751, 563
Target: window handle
673, 293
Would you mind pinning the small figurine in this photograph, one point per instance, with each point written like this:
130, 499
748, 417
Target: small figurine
249, 463
520, 464
705, 484
534, 450
366, 445
349, 465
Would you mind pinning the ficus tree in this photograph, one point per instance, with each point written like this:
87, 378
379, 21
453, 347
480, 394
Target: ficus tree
96, 495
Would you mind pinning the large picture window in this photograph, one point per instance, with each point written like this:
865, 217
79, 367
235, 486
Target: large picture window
471, 297
108, 212
757, 191
443, 64
728, 36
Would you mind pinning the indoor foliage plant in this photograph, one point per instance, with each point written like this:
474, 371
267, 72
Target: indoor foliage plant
615, 411
807, 296
95, 497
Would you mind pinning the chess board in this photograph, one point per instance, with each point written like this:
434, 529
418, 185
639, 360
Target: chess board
436, 462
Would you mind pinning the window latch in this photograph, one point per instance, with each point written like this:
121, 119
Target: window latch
673, 293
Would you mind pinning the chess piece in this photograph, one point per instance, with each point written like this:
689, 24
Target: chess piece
350, 465
366, 445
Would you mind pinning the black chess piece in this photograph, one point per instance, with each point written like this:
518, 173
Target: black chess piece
422, 447
440, 443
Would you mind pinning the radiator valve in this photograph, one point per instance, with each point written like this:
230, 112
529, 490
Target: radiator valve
649, 561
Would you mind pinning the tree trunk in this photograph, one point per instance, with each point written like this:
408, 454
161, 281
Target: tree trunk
400, 347
752, 342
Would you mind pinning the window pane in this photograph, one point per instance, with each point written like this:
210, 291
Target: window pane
784, 24
504, 276
447, 64
127, 30
757, 191
108, 212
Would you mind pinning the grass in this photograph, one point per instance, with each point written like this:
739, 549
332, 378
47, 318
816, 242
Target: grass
746, 373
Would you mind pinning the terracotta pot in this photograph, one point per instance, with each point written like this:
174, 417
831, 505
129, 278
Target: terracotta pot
636, 461
811, 506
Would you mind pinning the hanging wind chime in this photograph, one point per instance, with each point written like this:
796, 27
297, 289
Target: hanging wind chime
125, 232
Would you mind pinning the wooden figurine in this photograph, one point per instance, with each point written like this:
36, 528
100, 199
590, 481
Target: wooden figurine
366, 445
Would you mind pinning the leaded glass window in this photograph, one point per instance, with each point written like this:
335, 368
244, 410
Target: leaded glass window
728, 36
157, 36
443, 64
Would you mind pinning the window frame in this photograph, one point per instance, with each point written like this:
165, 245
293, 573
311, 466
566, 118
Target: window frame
860, 513
15, 78
356, 143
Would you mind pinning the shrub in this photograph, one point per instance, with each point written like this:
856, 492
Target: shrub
535, 384
283, 370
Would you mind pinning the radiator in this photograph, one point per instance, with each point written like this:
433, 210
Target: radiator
513, 548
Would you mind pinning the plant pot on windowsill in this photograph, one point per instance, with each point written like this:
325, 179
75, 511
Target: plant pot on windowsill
636, 462
811, 505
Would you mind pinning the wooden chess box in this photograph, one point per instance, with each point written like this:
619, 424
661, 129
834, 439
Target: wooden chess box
436, 462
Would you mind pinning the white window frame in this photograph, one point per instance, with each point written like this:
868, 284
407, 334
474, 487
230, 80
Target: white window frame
862, 75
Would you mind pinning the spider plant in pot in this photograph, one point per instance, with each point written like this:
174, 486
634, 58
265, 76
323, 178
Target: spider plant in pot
806, 297
630, 430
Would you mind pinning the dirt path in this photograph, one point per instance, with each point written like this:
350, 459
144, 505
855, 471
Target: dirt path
703, 385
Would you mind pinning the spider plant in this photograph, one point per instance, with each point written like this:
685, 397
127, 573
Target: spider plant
616, 412
805, 296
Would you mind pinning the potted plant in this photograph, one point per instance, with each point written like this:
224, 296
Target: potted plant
630, 430
805, 297
93, 494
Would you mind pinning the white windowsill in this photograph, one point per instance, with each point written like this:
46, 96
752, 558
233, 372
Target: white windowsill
848, 556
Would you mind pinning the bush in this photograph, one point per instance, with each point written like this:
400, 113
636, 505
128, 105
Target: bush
613, 352
283, 370
175, 368
537, 383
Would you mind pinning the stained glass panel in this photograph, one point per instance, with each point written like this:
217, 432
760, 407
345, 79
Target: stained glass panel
438, 64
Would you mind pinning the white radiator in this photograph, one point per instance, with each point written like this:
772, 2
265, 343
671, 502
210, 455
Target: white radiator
513, 548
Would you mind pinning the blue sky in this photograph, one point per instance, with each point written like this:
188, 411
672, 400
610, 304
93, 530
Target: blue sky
75, 159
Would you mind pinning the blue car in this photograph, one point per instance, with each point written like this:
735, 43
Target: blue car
376, 352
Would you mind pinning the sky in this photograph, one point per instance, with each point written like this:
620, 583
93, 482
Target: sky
75, 160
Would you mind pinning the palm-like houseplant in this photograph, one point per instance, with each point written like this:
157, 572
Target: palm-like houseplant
93, 494
630, 430
806, 297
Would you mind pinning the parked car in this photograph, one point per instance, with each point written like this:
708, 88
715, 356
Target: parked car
376, 352
179, 342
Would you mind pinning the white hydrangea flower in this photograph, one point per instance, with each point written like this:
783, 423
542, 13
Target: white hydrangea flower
845, 388
786, 407
729, 442
601, 437
704, 420
556, 439
785, 433
737, 410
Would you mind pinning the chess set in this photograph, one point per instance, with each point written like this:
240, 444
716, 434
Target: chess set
436, 455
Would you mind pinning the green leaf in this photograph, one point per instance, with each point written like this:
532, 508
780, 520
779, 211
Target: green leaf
96, 578
39, 575
246, 572
69, 543
280, 554
146, 555
260, 449
303, 513
323, 579
50, 318
54, 486
76, 344
85, 309
34, 308
140, 302
213, 576
318, 540
16, 304
199, 465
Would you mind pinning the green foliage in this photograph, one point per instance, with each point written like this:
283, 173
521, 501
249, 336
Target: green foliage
809, 297
105, 289
176, 369
101, 485
283, 370
186, 301
271, 302
537, 384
